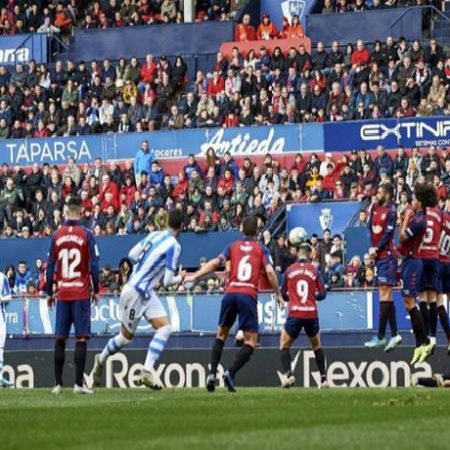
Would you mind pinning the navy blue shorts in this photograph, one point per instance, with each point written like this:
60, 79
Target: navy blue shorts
239, 305
294, 326
431, 275
411, 275
77, 313
445, 278
387, 271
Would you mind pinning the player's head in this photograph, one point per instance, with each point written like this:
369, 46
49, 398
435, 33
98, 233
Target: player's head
74, 205
250, 226
304, 251
425, 196
385, 193
176, 221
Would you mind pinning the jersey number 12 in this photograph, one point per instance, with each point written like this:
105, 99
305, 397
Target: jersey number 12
70, 262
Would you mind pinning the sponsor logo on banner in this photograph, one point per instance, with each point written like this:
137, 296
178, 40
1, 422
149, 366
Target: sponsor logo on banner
348, 367
243, 144
13, 56
421, 132
51, 151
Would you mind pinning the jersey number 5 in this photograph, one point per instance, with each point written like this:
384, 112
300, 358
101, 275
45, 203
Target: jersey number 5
70, 262
244, 272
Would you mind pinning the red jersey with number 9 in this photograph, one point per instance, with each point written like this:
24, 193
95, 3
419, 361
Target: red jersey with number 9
302, 281
429, 248
444, 244
247, 259
72, 249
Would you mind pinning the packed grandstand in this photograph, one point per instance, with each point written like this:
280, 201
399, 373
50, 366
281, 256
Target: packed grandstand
271, 74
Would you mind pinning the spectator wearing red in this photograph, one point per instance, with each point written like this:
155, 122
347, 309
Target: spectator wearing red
216, 84
360, 56
111, 187
109, 200
148, 70
293, 30
63, 19
226, 182
266, 30
231, 120
245, 31
405, 109
181, 186
128, 189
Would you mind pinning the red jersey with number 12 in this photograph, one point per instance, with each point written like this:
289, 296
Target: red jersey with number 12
444, 244
302, 281
72, 249
429, 248
247, 259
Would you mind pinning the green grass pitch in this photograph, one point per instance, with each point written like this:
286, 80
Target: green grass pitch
252, 418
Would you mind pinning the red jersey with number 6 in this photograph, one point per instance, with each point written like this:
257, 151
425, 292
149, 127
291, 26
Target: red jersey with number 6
444, 244
72, 250
429, 248
302, 281
247, 259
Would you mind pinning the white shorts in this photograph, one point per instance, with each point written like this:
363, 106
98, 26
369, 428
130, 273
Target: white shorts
133, 307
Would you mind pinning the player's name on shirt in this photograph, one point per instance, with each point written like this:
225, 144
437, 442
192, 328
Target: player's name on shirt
435, 213
70, 238
302, 271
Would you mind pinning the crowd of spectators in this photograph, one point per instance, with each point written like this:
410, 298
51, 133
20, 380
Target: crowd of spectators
394, 79
61, 17
343, 6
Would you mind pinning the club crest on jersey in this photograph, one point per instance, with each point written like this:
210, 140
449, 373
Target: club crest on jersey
377, 229
326, 218
383, 216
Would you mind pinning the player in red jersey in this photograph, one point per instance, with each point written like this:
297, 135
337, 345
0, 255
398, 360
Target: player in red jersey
444, 259
73, 278
302, 286
412, 232
247, 257
431, 273
382, 222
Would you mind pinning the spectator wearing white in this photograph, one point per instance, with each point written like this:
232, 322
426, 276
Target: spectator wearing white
48, 28
106, 110
323, 171
269, 176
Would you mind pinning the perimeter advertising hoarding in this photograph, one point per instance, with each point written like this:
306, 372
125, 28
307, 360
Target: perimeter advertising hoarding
348, 367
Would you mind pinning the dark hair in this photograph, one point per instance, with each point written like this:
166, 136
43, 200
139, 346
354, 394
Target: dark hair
176, 219
388, 188
74, 202
426, 194
250, 226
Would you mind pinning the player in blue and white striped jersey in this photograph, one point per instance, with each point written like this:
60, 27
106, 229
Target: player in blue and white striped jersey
5, 297
155, 259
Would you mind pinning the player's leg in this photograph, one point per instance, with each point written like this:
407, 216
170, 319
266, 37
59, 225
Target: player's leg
423, 295
63, 322
434, 286
227, 317
319, 356
3, 381
248, 322
157, 317
81, 313
291, 330
130, 314
444, 288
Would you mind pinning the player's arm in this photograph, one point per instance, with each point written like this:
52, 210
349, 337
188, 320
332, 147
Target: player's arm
211, 266
171, 267
272, 277
134, 253
94, 265
283, 287
411, 228
389, 230
6, 290
321, 291
51, 261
